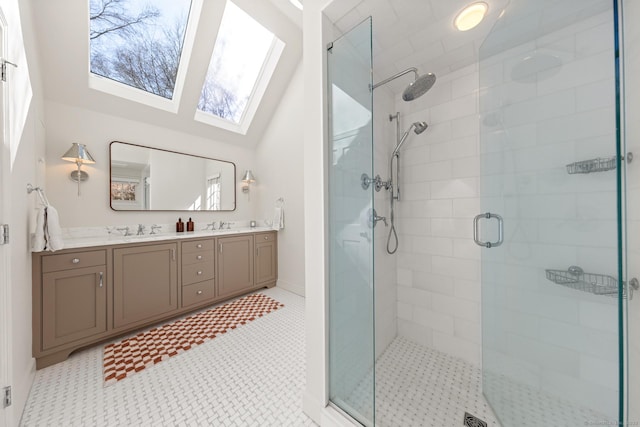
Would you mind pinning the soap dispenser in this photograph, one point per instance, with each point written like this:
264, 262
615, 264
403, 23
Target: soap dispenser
190, 225
179, 226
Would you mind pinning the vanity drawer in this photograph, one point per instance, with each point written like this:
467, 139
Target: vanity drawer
197, 257
73, 260
265, 237
197, 246
197, 293
197, 273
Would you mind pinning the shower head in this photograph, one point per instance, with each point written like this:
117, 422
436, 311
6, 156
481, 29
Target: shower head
418, 128
419, 86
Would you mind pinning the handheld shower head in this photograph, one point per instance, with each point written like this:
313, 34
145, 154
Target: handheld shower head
418, 128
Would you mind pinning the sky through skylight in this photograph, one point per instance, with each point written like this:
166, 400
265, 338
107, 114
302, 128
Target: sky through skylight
239, 54
138, 42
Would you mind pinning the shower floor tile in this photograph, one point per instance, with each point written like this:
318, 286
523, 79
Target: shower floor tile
419, 386
251, 376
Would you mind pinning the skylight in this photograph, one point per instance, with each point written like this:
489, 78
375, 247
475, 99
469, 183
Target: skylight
243, 60
138, 43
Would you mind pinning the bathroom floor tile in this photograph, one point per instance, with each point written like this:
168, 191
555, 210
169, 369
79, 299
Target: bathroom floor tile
251, 376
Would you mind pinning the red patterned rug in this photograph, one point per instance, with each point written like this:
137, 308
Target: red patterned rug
134, 354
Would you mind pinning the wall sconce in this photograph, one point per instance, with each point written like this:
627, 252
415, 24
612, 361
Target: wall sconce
78, 153
247, 178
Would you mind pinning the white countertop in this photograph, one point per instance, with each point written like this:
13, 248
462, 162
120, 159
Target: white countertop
117, 239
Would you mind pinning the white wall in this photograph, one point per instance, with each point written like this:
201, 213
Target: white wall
69, 124
384, 139
279, 171
438, 272
27, 144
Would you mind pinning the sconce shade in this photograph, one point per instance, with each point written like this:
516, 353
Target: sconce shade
78, 153
248, 177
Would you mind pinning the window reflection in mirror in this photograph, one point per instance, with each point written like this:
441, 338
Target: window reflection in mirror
146, 178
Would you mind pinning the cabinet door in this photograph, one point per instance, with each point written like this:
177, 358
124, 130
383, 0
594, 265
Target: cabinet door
145, 283
266, 261
74, 305
235, 264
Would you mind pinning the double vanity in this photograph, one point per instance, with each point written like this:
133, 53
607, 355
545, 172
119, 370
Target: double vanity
95, 290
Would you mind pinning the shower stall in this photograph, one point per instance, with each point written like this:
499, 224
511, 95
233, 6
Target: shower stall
511, 296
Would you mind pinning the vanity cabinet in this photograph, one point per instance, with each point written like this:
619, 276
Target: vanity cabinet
266, 265
87, 295
74, 298
235, 264
145, 283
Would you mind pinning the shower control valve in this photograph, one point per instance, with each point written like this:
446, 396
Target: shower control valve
378, 183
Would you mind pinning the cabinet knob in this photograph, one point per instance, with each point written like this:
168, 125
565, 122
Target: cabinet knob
199, 273
75, 260
266, 237
199, 293
199, 257
199, 245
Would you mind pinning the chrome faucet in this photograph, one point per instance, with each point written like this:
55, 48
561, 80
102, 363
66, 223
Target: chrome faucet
155, 227
124, 230
222, 223
229, 224
212, 225
141, 229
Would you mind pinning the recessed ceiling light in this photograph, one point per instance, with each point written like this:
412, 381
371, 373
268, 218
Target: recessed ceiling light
296, 3
470, 16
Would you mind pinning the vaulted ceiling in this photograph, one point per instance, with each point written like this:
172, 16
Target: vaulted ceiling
62, 33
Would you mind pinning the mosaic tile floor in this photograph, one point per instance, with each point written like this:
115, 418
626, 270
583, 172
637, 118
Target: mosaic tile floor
252, 376
421, 387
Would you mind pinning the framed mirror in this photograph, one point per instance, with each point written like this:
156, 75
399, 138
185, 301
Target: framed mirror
152, 179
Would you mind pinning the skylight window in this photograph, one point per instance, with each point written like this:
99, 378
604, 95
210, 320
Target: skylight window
138, 43
243, 60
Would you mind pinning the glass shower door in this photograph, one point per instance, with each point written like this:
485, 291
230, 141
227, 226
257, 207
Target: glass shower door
350, 157
549, 199
631, 137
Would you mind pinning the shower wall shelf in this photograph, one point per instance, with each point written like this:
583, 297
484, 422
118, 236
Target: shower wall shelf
592, 165
576, 278
596, 165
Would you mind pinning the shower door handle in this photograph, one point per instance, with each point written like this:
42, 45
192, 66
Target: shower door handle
476, 230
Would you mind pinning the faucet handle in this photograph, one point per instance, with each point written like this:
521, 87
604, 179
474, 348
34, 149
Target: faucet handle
123, 230
155, 227
229, 224
212, 225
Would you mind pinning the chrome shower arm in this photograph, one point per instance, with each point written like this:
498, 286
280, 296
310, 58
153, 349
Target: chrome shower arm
395, 76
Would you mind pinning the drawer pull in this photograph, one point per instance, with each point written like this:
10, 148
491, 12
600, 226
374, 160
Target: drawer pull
199, 293
266, 237
199, 273
100, 282
199, 257
75, 260
173, 254
199, 245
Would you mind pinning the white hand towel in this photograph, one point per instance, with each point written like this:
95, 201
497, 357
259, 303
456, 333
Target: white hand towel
53, 232
38, 239
278, 218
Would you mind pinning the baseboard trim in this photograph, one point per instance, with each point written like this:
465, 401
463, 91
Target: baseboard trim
296, 288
